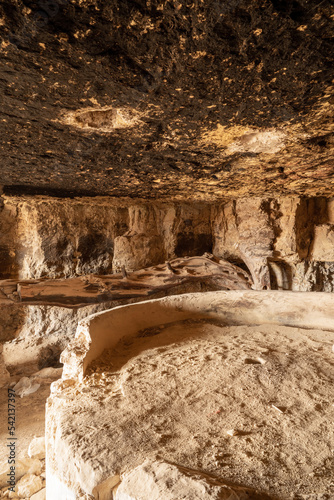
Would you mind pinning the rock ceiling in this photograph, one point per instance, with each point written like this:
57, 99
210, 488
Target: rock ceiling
167, 99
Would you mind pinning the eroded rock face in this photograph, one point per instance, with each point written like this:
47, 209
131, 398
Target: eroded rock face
286, 243
64, 238
42, 333
323, 243
243, 232
61, 239
276, 239
49, 310
8, 240
143, 244
11, 321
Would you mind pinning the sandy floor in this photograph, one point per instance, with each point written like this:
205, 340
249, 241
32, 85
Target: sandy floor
29, 423
253, 405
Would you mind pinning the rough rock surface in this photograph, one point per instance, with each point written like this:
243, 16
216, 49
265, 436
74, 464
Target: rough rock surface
40, 495
285, 242
11, 319
23, 467
221, 112
28, 485
275, 238
157, 233
171, 99
63, 237
43, 333
4, 374
323, 243
53, 238
206, 270
30, 422
177, 391
45, 330
159, 480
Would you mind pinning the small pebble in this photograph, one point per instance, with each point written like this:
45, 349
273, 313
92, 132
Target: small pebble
232, 432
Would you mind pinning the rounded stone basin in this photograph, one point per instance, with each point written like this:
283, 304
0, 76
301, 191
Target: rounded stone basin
236, 385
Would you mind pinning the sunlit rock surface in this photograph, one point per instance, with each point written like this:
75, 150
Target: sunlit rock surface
47, 311
211, 382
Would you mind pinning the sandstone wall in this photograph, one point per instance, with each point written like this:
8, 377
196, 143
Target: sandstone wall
62, 238
8, 239
286, 243
58, 238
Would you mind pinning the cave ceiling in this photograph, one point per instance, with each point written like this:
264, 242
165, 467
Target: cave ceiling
168, 99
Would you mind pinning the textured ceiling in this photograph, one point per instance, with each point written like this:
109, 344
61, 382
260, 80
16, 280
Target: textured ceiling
167, 99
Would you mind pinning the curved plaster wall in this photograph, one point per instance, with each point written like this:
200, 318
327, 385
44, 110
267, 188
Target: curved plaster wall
103, 330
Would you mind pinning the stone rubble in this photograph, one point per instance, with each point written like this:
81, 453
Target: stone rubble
40, 495
30, 480
25, 386
28, 485
30, 468
37, 448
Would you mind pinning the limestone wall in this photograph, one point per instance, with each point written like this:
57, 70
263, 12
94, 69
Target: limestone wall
286, 243
58, 238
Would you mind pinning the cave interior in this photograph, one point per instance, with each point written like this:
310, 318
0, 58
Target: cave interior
166, 231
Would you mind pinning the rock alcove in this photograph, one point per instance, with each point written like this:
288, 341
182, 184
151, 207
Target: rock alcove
172, 156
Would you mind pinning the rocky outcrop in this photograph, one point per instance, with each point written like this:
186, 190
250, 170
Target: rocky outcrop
188, 380
47, 311
9, 265
101, 331
162, 231
143, 244
207, 270
323, 243
57, 238
243, 232
134, 133
285, 242
11, 320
